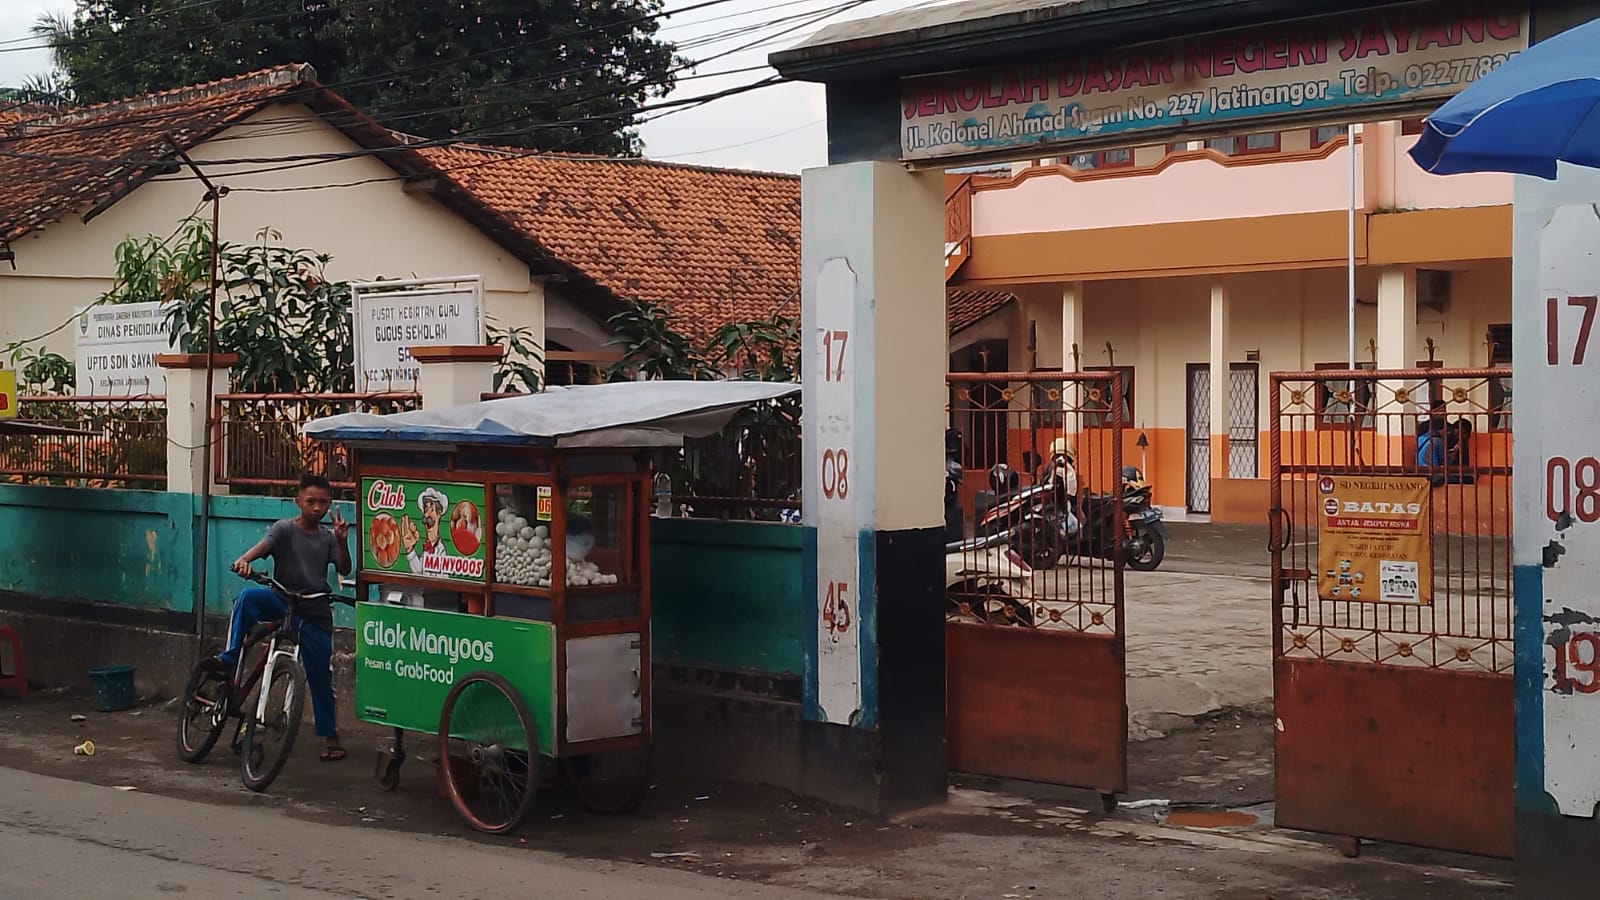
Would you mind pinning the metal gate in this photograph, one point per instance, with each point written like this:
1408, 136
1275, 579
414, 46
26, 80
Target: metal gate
1197, 469
1034, 679
1392, 624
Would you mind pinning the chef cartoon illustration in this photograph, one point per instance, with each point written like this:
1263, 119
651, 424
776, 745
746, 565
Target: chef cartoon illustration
432, 504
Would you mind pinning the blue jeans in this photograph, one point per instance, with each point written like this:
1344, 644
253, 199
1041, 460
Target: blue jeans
257, 604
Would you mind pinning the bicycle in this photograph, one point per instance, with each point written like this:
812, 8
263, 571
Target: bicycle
212, 698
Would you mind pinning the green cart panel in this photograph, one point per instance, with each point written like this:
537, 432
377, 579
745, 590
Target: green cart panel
408, 658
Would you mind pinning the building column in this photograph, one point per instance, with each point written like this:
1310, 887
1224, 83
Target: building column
455, 375
1071, 325
1220, 380
1397, 318
875, 356
188, 415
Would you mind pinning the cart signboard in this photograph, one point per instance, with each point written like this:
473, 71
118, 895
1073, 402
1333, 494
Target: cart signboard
422, 529
407, 659
1374, 543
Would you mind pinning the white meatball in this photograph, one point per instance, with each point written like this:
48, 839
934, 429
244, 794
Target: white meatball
542, 531
525, 533
520, 523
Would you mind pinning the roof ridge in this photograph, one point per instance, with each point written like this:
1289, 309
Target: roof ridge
287, 75
618, 160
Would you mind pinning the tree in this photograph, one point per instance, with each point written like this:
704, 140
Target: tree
554, 74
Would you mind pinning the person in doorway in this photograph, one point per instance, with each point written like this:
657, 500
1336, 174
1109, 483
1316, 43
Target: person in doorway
302, 549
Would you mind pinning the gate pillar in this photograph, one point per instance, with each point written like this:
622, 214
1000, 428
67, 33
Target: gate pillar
874, 356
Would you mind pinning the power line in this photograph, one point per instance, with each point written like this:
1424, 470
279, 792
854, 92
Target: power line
157, 115
480, 133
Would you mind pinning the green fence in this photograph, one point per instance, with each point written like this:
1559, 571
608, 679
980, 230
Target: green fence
726, 595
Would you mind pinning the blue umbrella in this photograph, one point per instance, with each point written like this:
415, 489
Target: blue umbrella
1540, 107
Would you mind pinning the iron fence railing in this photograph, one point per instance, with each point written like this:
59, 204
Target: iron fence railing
123, 444
259, 446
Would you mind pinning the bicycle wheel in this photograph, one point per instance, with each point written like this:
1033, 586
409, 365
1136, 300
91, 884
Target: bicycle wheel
268, 739
204, 713
488, 753
609, 783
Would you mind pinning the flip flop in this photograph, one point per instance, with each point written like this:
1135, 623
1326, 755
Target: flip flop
332, 754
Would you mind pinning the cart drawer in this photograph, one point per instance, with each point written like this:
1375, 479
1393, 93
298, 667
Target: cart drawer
603, 687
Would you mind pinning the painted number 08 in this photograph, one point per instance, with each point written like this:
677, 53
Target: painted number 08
1570, 658
836, 474
1572, 488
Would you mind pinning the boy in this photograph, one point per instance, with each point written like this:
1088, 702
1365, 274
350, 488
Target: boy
301, 551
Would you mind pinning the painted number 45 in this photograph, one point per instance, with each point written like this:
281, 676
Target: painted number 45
836, 609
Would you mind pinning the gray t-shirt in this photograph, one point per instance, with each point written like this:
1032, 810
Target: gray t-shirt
300, 561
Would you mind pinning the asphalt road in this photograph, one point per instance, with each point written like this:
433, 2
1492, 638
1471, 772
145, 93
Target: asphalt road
65, 839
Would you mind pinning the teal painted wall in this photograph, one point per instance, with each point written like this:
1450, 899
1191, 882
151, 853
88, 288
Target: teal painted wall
129, 547
727, 595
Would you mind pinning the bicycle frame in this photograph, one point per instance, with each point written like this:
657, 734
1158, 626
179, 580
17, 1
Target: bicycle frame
275, 653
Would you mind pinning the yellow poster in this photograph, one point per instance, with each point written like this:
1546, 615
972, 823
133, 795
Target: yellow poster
1375, 543
8, 393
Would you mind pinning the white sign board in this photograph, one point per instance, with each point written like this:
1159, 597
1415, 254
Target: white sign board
115, 346
391, 317
833, 503
1566, 525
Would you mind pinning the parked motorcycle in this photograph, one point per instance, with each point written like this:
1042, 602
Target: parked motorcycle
984, 581
1142, 534
1035, 520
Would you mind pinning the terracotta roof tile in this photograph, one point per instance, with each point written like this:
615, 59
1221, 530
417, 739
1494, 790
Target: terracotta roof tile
713, 245
968, 308
71, 162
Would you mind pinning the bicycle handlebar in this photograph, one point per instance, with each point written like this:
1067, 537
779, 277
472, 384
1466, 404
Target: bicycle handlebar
266, 580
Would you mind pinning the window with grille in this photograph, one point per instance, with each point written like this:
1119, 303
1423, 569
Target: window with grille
1341, 404
1097, 409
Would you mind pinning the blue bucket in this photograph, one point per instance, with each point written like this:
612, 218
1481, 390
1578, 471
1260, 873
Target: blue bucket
113, 687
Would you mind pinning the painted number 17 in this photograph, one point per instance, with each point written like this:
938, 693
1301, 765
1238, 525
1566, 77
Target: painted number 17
1552, 328
833, 344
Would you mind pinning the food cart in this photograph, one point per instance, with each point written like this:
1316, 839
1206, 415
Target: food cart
503, 579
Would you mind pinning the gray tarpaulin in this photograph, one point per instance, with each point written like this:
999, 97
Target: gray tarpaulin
622, 414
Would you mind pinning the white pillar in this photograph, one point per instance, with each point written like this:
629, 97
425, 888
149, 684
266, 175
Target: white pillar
1397, 318
456, 375
875, 355
1071, 324
187, 441
1220, 380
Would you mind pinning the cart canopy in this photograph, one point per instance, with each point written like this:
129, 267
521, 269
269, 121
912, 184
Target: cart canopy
621, 414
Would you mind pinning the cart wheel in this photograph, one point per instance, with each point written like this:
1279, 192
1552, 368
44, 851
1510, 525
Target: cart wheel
609, 783
488, 753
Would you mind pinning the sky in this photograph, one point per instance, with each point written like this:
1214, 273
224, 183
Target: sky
778, 129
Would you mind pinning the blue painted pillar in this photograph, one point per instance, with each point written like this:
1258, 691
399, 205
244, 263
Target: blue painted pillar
1556, 532
874, 364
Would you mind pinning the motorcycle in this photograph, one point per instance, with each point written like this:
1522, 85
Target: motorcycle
983, 581
1142, 534
1035, 520
983, 575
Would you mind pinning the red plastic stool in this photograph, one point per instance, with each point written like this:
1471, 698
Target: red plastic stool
17, 678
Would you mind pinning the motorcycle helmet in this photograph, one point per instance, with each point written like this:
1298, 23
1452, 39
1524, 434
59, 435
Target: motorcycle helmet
1063, 447
1133, 479
952, 442
1002, 480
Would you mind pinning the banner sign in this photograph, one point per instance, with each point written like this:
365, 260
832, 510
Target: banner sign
407, 660
389, 318
8, 393
1375, 542
1306, 68
423, 529
115, 348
